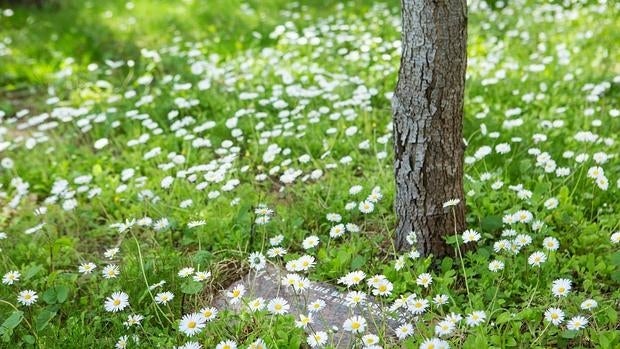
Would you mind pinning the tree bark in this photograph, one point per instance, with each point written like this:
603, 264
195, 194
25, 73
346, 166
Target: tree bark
428, 123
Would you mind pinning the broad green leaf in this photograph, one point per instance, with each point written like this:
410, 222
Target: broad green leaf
191, 287
358, 262
491, 223
32, 271
44, 318
6, 330
62, 292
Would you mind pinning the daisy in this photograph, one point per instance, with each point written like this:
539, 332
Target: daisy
496, 266
86, 268
258, 344
276, 252
375, 280
501, 245
110, 271
551, 243
192, 324
523, 216
602, 182
262, 220
164, 297
383, 288
27, 297
301, 284
417, 305
304, 320
434, 343
522, 240
370, 339
236, 293
355, 324
310, 242
398, 303
561, 287
595, 172
185, 272
454, 318
257, 261
191, 345
337, 231
576, 323
440, 299
404, 331
400, 263
161, 224
352, 278
352, 228
589, 304
116, 302
414, 254
278, 306
194, 224
226, 345
476, 318
209, 313
366, 207
551, 203
424, 280
537, 225
262, 210
356, 189
334, 217
157, 285
11, 277
110, 253
290, 279
100, 143
122, 342
375, 195
554, 315
451, 202
201, 276
354, 298
306, 262
257, 304
318, 339
276, 240
536, 259
133, 319
316, 306
444, 328
615, 237
470, 236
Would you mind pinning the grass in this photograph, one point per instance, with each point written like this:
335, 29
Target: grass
94, 70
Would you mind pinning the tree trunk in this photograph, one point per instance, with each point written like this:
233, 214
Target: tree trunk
428, 123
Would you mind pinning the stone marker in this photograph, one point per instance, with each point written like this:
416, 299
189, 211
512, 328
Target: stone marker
267, 284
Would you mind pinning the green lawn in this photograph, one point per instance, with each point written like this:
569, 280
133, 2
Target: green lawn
147, 137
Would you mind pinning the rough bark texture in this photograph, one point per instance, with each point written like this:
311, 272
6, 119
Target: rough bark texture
428, 123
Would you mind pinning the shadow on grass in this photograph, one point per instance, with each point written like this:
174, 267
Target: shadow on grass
43, 37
